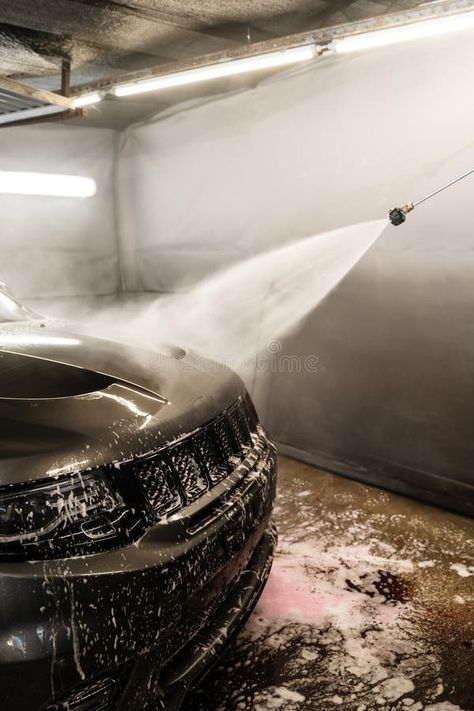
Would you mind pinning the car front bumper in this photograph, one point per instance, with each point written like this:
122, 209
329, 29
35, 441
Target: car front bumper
137, 625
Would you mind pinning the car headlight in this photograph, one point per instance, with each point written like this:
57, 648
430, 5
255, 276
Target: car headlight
66, 516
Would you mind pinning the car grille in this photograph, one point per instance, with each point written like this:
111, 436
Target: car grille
175, 477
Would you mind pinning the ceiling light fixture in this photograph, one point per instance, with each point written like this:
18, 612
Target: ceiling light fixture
14, 182
222, 69
404, 33
7, 339
86, 99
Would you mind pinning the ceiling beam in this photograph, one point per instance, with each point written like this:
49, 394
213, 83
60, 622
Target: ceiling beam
321, 36
40, 95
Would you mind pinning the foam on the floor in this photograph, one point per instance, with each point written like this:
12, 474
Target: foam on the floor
369, 606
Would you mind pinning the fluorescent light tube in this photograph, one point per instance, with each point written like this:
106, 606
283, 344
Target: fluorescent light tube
86, 99
404, 33
14, 182
26, 340
222, 69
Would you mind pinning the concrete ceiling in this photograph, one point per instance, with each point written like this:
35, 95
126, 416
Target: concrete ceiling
105, 39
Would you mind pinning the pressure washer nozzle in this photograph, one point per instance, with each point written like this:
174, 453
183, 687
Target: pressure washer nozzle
397, 216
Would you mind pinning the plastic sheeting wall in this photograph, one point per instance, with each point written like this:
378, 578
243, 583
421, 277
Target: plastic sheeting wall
53, 246
333, 144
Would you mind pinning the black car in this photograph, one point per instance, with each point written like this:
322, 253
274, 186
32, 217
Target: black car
136, 492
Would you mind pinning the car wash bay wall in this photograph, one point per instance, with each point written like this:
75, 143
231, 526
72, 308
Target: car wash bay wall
52, 246
318, 147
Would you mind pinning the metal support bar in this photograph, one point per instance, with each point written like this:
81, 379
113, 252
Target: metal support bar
66, 77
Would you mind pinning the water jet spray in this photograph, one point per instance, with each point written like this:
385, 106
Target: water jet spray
397, 215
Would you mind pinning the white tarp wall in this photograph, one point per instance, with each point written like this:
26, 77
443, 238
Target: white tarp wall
320, 147
52, 246
338, 142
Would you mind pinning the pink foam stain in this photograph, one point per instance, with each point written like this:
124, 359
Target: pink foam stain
289, 593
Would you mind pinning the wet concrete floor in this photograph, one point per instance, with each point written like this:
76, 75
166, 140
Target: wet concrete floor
369, 607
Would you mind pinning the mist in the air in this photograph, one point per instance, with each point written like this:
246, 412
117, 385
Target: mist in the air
237, 313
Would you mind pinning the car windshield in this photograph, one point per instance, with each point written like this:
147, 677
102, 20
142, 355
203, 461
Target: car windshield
12, 310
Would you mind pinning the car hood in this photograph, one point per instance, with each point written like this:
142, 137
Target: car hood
69, 402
